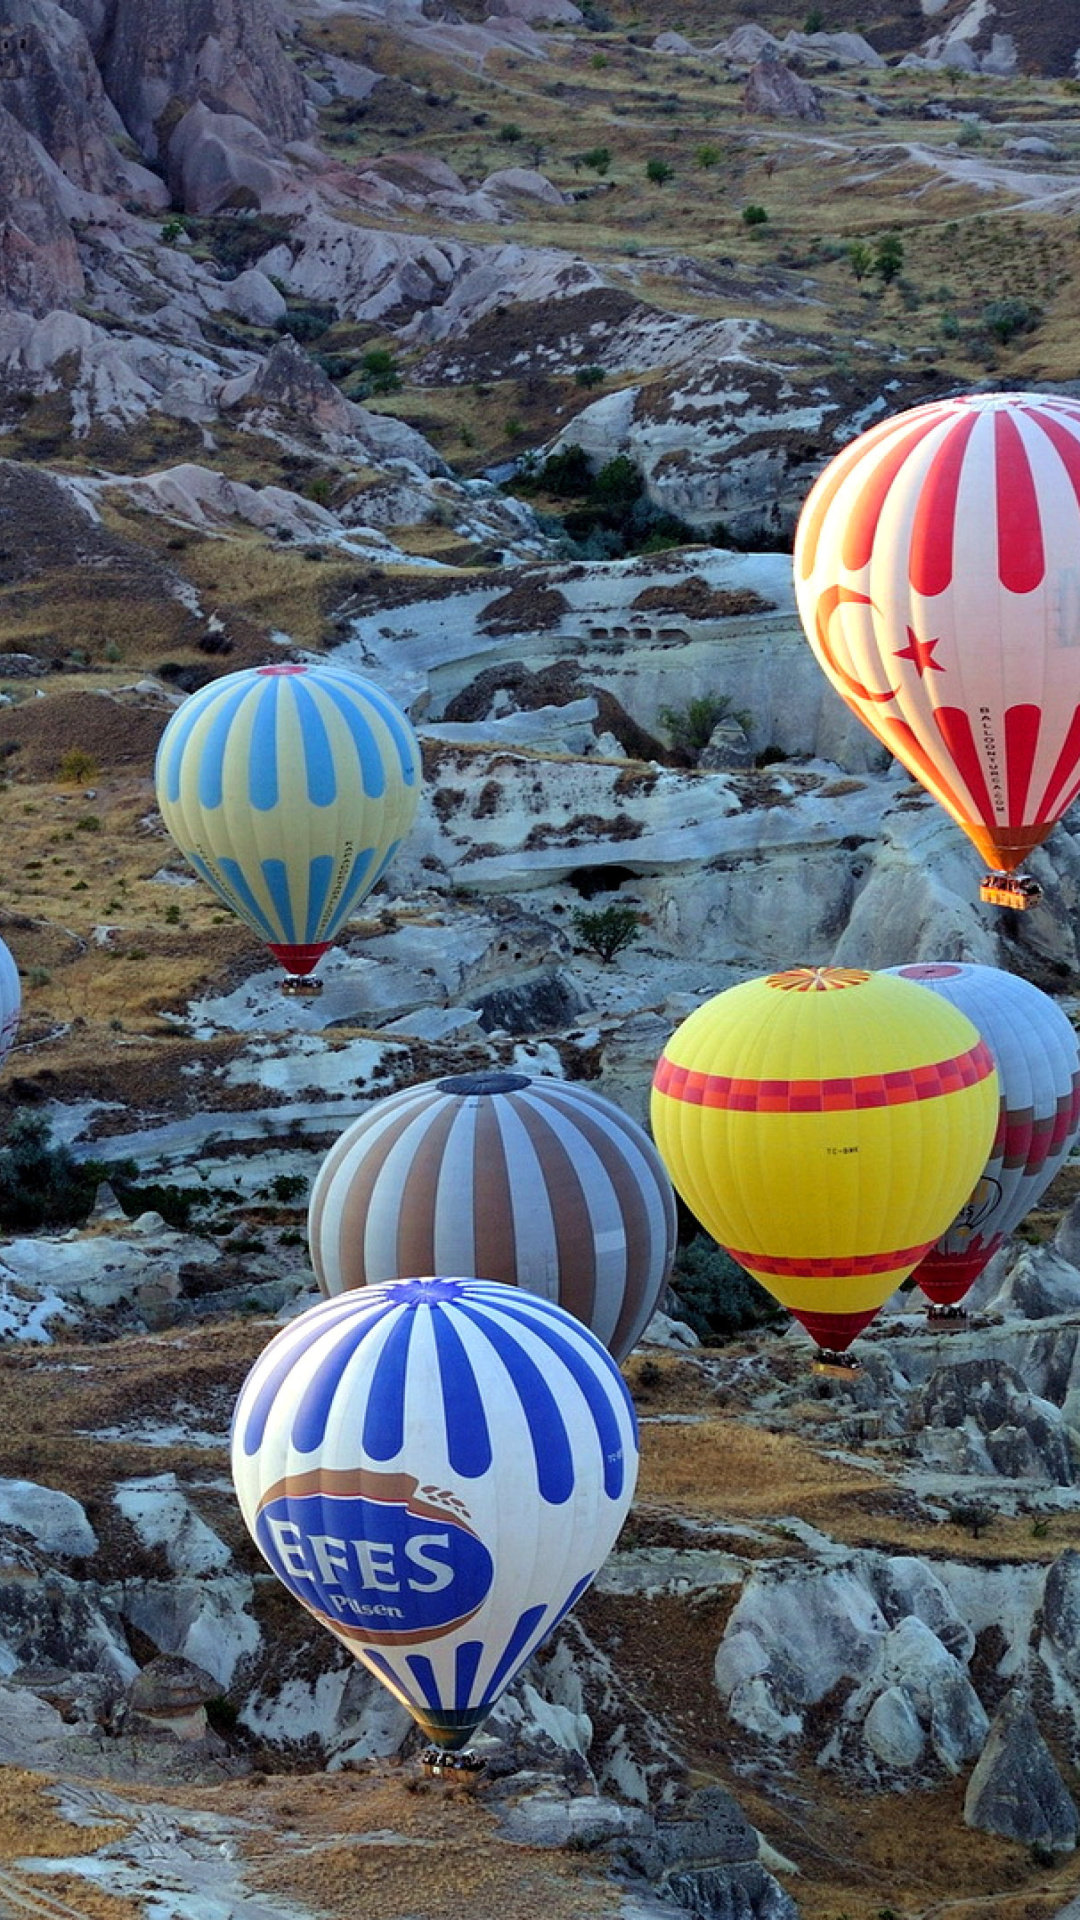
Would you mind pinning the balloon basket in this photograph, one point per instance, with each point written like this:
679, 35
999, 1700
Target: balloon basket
302, 986
947, 1319
438, 1764
1016, 890
835, 1366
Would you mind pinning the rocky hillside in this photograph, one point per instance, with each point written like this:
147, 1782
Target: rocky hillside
494, 346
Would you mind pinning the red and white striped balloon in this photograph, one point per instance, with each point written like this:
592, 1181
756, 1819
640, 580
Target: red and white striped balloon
937, 571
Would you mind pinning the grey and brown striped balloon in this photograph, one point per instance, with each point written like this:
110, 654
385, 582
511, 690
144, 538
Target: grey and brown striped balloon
530, 1180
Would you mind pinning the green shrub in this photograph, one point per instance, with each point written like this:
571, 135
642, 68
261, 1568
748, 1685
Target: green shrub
860, 259
598, 158
970, 134
716, 1296
590, 377
1006, 318
307, 323
691, 727
607, 930
707, 157
380, 371
754, 216
658, 172
509, 133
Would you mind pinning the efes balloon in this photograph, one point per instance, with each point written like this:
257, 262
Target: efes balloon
936, 576
436, 1469
1037, 1057
289, 789
10, 1002
517, 1177
825, 1124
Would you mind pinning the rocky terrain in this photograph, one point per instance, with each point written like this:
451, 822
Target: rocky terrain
493, 345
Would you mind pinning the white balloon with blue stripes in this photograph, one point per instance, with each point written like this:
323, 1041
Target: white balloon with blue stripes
436, 1469
289, 790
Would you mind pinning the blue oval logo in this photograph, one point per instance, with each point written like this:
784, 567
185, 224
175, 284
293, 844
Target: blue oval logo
374, 1556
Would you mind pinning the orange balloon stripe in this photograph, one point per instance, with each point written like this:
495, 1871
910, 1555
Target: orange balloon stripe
824, 1096
836, 1267
930, 561
827, 602
828, 486
862, 524
901, 739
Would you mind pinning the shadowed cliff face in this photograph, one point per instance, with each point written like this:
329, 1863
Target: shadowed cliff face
39, 261
50, 83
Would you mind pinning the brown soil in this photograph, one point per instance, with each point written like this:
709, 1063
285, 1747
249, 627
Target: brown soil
530, 606
695, 598
36, 735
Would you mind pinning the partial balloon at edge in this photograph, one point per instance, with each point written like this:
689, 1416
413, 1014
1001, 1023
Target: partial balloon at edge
289, 789
935, 572
10, 1001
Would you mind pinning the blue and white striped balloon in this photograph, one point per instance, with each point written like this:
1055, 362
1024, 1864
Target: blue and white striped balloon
10, 1001
436, 1469
289, 789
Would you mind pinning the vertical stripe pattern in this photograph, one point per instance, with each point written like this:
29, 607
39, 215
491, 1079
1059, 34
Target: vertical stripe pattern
1037, 1056
10, 1001
289, 789
537, 1182
436, 1469
937, 578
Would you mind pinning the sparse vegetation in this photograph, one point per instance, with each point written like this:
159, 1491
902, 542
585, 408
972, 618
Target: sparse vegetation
754, 215
607, 931
691, 727
77, 767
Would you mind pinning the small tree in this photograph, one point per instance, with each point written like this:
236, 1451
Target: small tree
1006, 318
380, 372
754, 216
707, 156
77, 767
607, 930
658, 172
509, 133
860, 259
590, 376
598, 158
888, 257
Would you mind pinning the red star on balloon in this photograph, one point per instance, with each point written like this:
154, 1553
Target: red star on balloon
921, 652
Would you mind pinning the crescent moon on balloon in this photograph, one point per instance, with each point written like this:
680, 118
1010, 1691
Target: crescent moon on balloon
827, 602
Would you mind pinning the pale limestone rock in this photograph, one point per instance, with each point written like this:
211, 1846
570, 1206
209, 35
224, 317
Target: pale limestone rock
218, 160
251, 296
773, 90
56, 1522
39, 261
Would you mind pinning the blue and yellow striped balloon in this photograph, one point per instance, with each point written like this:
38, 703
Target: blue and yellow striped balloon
289, 789
436, 1469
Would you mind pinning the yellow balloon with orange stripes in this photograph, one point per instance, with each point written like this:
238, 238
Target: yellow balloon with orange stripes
826, 1125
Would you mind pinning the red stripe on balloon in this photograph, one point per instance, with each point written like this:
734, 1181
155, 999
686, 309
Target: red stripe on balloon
903, 741
1021, 741
1065, 770
1065, 444
848, 1095
954, 727
930, 565
862, 522
1021, 560
827, 488
836, 1267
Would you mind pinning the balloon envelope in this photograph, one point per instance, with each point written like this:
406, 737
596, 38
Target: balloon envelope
436, 1469
10, 1001
1037, 1056
936, 576
289, 790
825, 1124
516, 1177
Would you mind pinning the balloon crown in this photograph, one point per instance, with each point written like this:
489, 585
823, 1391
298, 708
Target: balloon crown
817, 979
466, 1084
427, 1292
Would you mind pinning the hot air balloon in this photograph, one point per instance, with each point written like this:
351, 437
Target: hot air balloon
825, 1124
10, 1002
1037, 1057
436, 1469
516, 1177
289, 789
936, 575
